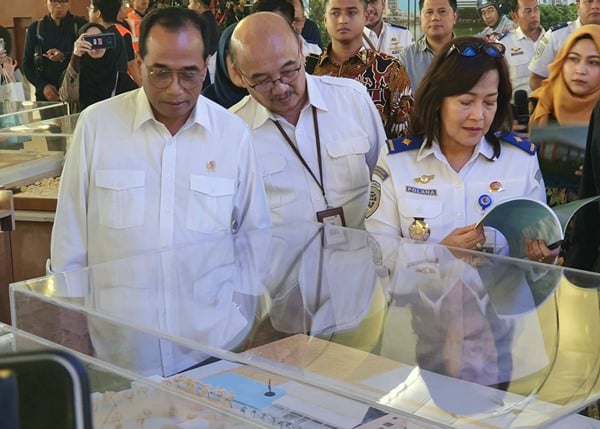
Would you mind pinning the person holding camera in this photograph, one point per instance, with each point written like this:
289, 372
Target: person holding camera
48, 46
91, 75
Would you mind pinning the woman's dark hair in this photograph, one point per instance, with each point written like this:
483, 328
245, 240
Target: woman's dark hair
173, 19
450, 74
89, 25
109, 9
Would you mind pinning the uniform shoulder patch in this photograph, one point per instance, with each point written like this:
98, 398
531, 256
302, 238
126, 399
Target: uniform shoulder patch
504, 35
403, 144
559, 26
520, 142
399, 26
374, 198
380, 172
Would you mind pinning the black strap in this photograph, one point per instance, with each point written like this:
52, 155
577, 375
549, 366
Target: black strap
299, 155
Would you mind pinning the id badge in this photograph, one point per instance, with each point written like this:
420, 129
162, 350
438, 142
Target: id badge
332, 216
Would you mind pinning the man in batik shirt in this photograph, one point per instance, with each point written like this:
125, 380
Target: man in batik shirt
383, 75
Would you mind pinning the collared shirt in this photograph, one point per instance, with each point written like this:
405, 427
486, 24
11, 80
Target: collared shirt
129, 186
385, 79
549, 45
310, 48
416, 59
350, 133
519, 52
493, 34
448, 199
391, 40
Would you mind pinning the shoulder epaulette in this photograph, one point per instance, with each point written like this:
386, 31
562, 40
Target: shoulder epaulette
520, 142
559, 26
399, 26
502, 36
403, 144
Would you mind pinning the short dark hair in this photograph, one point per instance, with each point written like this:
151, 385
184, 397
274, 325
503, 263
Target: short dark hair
364, 2
109, 9
284, 7
173, 19
450, 75
453, 4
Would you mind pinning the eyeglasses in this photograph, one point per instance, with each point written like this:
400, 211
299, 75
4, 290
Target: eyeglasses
287, 77
188, 79
472, 49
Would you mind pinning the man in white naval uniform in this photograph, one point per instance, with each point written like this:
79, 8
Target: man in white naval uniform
521, 42
383, 36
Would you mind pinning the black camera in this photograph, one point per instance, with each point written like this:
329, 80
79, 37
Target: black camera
101, 41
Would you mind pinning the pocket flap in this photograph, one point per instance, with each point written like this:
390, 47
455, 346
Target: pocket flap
345, 146
426, 209
120, 180
271, 164
213, 186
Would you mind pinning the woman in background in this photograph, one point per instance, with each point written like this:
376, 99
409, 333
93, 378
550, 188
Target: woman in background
91, 75
569, 94
223, 91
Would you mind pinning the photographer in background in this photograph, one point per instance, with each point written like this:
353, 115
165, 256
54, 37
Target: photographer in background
92, 73
48, 47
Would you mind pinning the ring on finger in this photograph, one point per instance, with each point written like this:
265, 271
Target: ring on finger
478, 246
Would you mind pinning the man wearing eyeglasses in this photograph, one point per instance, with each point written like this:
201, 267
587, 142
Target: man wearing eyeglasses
317, 138
381, 35
158, 166
521, 42
48, 48
588, 12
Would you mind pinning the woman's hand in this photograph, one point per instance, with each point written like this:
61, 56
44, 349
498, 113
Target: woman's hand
81, 46
8, 66
466, 237
537, 250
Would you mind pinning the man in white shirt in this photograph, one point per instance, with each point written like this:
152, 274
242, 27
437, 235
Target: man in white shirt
150, 169
588, 12
317, 138
383, 36
521, 42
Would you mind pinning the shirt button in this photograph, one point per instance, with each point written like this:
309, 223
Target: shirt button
459, 216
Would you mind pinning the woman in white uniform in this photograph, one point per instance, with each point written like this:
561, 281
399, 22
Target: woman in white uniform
462, 158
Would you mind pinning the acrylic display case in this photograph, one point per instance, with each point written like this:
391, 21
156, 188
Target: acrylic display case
117, 398
321, 326
33, 139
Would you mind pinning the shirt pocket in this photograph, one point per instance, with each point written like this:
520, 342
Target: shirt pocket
210, 203
280, 190
121, 198
348, 160
428, 210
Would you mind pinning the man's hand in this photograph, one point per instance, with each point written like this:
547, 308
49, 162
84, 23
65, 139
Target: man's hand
55, 55
51, 93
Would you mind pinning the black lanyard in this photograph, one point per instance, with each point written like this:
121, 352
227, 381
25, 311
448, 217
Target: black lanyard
299, 155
